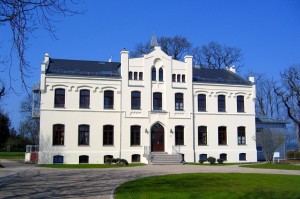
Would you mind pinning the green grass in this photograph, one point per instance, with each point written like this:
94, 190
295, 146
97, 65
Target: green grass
12, 155
86, 166
211, 185
208, 164
273, 166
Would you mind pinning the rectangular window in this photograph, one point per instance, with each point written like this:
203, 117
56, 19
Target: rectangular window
135, 135
174, 78
59, 99
135, 100
135, 75
178, 101
141, 76
221, 103
153, 76
183, 78
84, 99
179, 135
130, 75
83, 135
202, 135
108, 135
108, 99
58, 134
157, 101
201, 102
241, 135
240, 104
222, 135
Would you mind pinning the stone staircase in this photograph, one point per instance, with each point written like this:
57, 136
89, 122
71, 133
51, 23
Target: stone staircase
165, 158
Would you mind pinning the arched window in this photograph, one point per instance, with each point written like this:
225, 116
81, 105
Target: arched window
241, 135
140, 75
178, 101
178, 78
135, 75
108, 158
240, 103
202, 135
108, 135
83, 134
135, 135
136, 158
222, 135
179, 135
135, 100
157, 101
83, 159
130, 75
59, 98
58, 134
174, 78
153, 73
161, 74
108, 99
242, 156
58, 159
183, 78
221, 103
201, 102
84, 99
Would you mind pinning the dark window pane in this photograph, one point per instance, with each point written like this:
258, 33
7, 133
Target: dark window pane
178, 101
161, 74
84, 99
108, 135
178, 78
153, 74
83, 159
130, 75
183, 78
108, 158
135, 135
59, 99
141, 76
201, 102
241, 135
83, 135
174, 78
135, 75
223, 156
135, 158
221, 103
240, 104
58, 159
222, 135
157, 101
202, 135
203, 157
135, 100
179, 135
58, 134
242, 156
108, 99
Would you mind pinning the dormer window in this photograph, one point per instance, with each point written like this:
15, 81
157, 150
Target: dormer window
153, 74
161, 74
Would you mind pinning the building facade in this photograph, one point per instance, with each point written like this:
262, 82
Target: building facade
92, 110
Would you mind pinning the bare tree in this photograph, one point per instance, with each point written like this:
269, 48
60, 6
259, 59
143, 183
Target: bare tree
270, 140
24, 17
29, 127
217, 56
288, 90
176, 47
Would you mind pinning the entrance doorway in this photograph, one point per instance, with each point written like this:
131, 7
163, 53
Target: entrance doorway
157, 138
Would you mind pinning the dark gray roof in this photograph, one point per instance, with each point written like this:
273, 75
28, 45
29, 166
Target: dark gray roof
83, 68
220, 76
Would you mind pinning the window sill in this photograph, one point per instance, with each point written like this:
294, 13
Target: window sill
135, 145
242, 144
202, 111
136, 109
84, 107
60, 107
180, 145
60, 145
179, 110
202, 145
83, 145
108, 108
108, 145
222, 145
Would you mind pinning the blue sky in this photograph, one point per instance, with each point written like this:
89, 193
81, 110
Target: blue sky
267, 31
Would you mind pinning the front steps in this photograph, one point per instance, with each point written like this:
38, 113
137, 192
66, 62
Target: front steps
165, 158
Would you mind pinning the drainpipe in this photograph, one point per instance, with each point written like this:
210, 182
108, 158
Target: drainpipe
193, 115
121, 111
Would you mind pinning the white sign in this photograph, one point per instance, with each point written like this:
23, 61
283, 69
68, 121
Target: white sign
276, 155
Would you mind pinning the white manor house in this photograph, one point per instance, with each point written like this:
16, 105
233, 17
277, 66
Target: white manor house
146, 109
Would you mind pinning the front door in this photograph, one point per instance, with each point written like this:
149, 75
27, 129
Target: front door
157, 138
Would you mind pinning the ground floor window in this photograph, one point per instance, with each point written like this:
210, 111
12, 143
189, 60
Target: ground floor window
179, 135
242, 156
107, 158
203, 157
135, 158
58, 159
83, 159
223, 156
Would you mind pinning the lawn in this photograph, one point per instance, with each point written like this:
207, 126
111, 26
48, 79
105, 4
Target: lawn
87, 166
273, 166
12, 155
211, 185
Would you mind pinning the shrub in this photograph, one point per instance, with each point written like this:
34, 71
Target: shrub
211, 160
293, 155
220, 161
108, 161
202, 161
